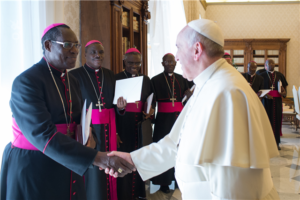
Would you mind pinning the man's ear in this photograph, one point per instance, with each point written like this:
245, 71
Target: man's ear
162, 63
198, 50
48, 45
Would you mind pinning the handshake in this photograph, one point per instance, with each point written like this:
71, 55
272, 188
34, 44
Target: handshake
116, 164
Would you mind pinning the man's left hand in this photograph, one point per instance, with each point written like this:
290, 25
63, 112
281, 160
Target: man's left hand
122, 103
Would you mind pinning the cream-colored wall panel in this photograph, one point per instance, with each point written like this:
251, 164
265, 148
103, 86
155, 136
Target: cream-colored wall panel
263, 21
193, 8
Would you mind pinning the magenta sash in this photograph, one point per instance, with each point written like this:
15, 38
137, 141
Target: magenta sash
167, 107
133, 107
20, 141
274, 93
108, 116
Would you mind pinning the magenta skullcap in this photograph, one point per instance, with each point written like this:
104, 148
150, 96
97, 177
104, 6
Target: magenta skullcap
132, 50
50, 27
169, 54
92, 42
226, 54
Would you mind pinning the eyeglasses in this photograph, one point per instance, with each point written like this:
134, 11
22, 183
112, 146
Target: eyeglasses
169, 62
68, 45
133, 63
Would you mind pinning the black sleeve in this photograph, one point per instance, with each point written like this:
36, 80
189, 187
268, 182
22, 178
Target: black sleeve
33, 118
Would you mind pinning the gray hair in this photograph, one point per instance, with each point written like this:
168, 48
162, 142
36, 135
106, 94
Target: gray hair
211, 48
132, 53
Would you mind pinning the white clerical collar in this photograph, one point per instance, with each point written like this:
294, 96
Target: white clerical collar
206, 74
271, 71
170, 74
252, 75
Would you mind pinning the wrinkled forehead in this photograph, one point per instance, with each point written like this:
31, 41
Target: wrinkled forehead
95, 47
67, 35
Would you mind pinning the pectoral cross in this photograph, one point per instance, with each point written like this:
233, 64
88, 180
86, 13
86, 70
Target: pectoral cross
99, 104
272, 87
173, 99
137, 104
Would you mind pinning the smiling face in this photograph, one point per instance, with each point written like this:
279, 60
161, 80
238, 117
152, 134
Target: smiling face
133, 63
94, 55
59, 56
169, 63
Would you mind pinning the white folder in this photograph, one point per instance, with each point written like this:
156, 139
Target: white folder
130, 89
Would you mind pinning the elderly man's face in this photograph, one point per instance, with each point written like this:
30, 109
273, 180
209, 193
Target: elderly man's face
61, 57
185, 56
169, 63
94, 55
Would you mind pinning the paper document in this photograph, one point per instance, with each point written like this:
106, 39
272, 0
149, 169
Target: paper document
279, 86
192, 89
86, 116
264, 92
130, 89
148, 104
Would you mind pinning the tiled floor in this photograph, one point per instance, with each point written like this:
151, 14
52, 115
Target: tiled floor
285, 170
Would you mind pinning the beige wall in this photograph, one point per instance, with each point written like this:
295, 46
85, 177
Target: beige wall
192, 10
263, 21
67, 11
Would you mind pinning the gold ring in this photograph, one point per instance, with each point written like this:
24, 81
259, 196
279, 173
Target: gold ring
120, 170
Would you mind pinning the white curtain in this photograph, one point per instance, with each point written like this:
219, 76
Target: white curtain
167, 19
21, 27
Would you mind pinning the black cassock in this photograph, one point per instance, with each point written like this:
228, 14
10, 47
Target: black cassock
99, 185
260, 71
55, 169
274, 106
256, 82
166, 116
132, 186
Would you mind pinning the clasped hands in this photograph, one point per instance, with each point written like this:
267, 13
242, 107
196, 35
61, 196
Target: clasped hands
117, 164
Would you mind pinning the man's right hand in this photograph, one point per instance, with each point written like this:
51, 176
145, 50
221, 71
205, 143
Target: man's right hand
113, 162
123, 155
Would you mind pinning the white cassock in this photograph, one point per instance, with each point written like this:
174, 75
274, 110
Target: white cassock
221, 143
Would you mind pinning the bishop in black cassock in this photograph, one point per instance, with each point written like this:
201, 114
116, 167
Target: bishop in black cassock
98, 85
44, 160
274, 106
255, 81
132, 186
170, 89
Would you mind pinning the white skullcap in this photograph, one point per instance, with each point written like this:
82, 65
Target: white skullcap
208, 29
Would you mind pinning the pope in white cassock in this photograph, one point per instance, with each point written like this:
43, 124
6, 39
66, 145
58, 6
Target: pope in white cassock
222, 142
